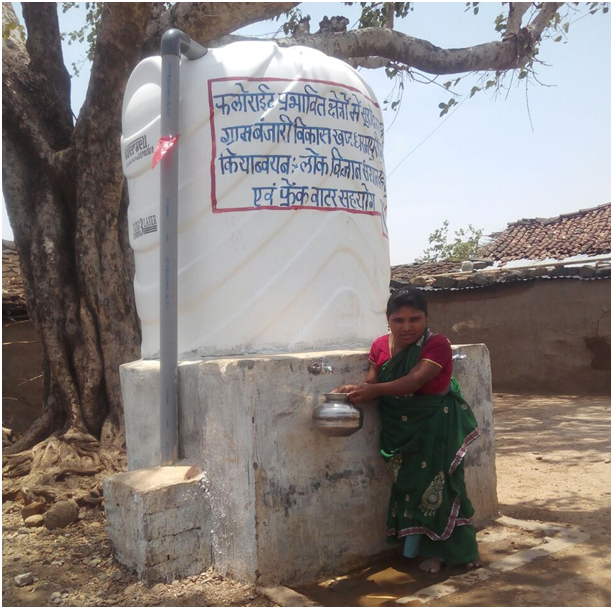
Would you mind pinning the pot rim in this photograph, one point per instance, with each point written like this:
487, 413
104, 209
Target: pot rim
339, 397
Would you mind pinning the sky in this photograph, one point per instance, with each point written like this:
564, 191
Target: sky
536, 152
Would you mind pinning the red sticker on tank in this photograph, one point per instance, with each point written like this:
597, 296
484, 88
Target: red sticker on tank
165, 143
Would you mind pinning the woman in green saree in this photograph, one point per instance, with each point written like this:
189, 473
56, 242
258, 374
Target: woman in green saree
426, 429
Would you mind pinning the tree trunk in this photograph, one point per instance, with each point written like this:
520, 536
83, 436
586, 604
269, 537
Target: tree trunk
63, 187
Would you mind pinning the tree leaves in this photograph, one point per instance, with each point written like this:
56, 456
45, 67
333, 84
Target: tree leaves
87, 33
9, 27
446, 106
375, 14
464, 246
500, 23
474, 6
294, 16
594, 7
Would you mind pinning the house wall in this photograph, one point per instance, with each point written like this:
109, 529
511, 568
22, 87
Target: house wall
543, 335
22, 383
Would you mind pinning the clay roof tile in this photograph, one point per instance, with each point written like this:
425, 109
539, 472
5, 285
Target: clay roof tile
584, 232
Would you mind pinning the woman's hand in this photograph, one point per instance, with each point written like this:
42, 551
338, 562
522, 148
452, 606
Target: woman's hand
364, 393
345, 389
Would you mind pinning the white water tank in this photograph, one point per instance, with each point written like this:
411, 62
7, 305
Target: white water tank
282, 236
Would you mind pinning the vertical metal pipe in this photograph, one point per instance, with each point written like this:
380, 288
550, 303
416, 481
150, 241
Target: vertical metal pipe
169, 187
173, 43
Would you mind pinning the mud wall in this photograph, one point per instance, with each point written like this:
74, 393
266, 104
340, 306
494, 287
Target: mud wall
22, 383
543, 336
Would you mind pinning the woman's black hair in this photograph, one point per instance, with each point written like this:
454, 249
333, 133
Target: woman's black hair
407, 297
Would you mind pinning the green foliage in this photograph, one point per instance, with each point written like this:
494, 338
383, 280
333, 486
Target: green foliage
500, 23
445, 106
594, 7
13, 25
375, 14
463, 247
294, 16
394, 97
88, 33
526, 73
474, 6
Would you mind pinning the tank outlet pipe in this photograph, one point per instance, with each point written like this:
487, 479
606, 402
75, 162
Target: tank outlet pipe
174, 44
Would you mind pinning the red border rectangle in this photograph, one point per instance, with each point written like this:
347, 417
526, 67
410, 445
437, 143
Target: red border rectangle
215, 209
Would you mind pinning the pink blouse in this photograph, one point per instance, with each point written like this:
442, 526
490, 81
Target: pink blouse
437, 350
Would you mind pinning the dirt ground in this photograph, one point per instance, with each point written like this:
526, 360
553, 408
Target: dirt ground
553, 466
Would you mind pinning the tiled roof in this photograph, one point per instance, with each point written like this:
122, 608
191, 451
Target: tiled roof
405, 272
526, 250
490, 276
13, 297
586, 232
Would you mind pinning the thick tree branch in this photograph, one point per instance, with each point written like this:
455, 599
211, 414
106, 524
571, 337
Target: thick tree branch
206, 21
516, 12
543, 19
389, 17
413, 52
118, 47
22, 92
44, 46
375, 47
371, 63
21, 120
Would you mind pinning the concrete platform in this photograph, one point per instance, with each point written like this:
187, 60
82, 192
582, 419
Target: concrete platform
285, 503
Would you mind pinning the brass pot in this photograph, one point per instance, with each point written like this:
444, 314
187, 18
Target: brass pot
337, 416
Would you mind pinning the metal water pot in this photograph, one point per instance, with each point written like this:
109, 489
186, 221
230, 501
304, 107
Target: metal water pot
337, 416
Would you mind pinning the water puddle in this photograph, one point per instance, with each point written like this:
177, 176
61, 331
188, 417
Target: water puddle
396, 581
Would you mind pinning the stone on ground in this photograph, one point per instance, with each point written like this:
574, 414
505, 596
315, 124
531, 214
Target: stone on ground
36, 507
34, 521
62, 514
25, 579
158, 589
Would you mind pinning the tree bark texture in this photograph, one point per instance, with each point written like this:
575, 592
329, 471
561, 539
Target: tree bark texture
63, 190
65, 193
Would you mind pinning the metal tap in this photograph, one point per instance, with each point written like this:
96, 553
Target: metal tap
321, 367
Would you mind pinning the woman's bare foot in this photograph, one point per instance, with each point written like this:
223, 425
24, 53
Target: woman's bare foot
475, 564
431, 565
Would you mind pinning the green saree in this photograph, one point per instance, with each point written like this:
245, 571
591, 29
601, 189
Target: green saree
424, 439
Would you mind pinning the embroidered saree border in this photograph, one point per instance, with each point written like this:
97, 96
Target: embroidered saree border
462, 452
453, 522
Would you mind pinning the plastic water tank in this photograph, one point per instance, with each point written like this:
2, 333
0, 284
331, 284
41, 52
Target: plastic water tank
282, 236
